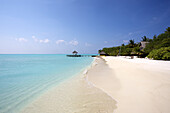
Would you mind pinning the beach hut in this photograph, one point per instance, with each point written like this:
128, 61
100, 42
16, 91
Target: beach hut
102, 53
74, 52
143, 44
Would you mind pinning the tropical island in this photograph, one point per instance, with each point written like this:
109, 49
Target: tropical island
157, 48
49, 61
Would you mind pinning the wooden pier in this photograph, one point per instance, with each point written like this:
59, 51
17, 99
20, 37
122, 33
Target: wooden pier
81, 55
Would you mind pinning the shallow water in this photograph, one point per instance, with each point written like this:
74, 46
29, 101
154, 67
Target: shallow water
75, 95
25, 77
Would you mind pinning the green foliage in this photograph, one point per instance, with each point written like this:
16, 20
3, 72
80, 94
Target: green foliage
144, 38
153, 48
113, 51
167, 30
166, 56
165, 42
131, 43
154, 37
160, 54
123, 44
99, 51
125, 51
136, 50
162, 40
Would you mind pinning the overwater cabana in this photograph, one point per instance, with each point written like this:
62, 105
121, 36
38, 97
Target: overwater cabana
75, 54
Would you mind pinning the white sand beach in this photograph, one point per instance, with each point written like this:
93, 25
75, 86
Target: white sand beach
112, 84
137, 85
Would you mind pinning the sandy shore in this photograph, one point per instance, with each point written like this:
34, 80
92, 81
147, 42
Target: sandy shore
112, 84
75, 95
137, 85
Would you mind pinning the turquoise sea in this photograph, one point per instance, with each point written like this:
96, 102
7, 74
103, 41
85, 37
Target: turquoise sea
25, 77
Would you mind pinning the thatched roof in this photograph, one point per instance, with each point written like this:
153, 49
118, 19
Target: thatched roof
102, 53
74, 52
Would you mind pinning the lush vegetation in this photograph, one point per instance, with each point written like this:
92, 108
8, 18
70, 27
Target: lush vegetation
157, 48
162, 53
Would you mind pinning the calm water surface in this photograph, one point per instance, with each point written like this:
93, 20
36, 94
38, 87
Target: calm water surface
25, 77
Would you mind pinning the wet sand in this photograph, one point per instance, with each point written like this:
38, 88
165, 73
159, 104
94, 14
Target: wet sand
75, 95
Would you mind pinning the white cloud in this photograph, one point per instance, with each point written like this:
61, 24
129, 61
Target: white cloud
73, 42
39, 40
60, 41
44, 41
21, 39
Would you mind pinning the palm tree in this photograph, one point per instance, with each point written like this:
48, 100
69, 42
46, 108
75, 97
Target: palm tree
167, 30
154, 37
131, 43
144, 38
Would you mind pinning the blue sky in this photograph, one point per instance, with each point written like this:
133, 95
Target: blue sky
61, 26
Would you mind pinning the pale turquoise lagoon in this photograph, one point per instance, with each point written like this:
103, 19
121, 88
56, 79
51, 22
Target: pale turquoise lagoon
24, 77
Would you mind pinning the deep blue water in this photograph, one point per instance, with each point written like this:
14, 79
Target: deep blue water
24, 77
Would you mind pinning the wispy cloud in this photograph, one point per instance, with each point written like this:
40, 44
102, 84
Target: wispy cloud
21, 39
40, 40
74, 42
44, 41
125, 41
134, 33
60, 41
130, 33
34, 38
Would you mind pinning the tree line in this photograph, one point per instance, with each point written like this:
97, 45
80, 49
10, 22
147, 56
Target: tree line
157, 48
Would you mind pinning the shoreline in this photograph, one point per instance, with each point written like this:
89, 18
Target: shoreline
86, 75
111, 84
74, 95
137, 85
